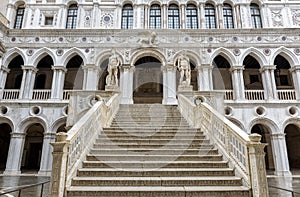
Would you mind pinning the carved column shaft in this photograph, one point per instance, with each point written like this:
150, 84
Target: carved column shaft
268, 80
202, 16
183, 16
58, 82
169, 85
238, 82
91, 73
257, 167
46, 161
28, 80
3, 76
126, 83
165, 16
296, 80
205, 82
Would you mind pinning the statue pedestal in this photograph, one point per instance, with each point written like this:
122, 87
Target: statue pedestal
112, 88
185, 88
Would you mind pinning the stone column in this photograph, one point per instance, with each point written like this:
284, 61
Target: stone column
59, 166
91, 73
62, 14
219, 16
238, 82
295, 71
238, 16
257, 166
164, 16
169, 85
146, 17
182, 16
3, 75
126, 83
28, 80
268, 80
58, 82
15, 153
205, 82
46, 159
280, 156
202, 16
10, 13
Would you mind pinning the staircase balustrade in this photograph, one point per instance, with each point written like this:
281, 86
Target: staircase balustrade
70, 148
244, 152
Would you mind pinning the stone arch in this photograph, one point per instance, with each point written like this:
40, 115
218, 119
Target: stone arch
214, 3
40, 54
173, 2
72, 53
237, 123
192, 2
57, 123
8, 121
155, 2
294, 121
228, 55
229, 2
255, 53
143, 53
191, 54
18, 3
72, 2
258, 2
105, 55
27, 122
287, 54
265, 122
127, 2
11, 54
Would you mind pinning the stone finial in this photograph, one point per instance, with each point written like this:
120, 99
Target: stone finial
254, 137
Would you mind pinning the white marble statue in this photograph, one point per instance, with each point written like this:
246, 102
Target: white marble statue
112, 68
183, 65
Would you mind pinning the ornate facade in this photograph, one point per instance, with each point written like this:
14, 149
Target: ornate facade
250, 51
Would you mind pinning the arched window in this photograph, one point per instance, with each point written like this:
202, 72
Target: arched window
228, 16
191, 17
173, 17
127, 17
210, 16
19, 17
72, 17
155, 17
255, 16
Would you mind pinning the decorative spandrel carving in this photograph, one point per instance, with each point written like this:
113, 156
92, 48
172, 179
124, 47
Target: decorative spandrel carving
296, 17
277, 18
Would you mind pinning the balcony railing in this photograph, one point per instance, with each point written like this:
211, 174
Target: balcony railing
254, 95
286, 94
228, 95
11, 94
41, 94
66, 94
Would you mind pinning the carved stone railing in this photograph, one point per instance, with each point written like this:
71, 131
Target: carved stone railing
254, 95
244, 152
41, 94
71, 148
4, 20
66, 94
228, 95
10, 94
286, 94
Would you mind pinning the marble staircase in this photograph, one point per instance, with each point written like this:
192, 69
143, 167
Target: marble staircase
150, 150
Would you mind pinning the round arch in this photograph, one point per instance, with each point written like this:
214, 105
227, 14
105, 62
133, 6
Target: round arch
11, 54
155, 2
6, 120
144, 53
214, 3
237, 123
58, 123
27, 122
192, 2
191, 54
266, 122
105, 55
255, 53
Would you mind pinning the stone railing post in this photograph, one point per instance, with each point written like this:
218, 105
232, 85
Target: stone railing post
257, 167
59, 165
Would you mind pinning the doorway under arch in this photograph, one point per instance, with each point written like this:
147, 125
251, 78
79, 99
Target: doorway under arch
265, 138
33, 146
147, 80
5, 131
292, 143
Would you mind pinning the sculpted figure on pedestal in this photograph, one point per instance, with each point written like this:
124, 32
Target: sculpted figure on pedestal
183, 65
112, 68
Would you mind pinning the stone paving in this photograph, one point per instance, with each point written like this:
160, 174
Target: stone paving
8, 182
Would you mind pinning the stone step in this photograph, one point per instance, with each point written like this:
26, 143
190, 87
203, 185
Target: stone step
164, 146
146, 150
159, 191
155, 164
153, 156
151, 130
156, 181
148, 124
152, 141
144, 172
151, 137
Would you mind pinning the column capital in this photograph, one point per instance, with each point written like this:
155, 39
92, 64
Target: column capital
267, 67
90, 67
2, 68
295, 68
50, 135
204, 66
237, 68
18, 135
278, 135
29, 67
168, 67
59, 68
127, 67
